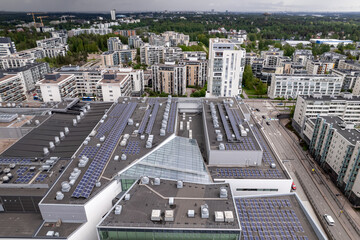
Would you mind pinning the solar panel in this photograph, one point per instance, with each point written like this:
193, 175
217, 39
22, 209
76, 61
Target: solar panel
90, 177
225, 123
233, 122
172, 118
152, 118
144, 121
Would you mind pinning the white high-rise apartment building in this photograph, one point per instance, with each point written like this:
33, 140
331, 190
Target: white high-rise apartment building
226, 67
113, 14
7, 47
290, 86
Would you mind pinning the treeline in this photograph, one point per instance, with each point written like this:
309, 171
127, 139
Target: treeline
70, 58
92, 43
25, 39
252, 83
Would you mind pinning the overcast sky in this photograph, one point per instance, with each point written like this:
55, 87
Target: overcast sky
173, 5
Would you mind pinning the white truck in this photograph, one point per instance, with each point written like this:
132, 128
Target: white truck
330, 221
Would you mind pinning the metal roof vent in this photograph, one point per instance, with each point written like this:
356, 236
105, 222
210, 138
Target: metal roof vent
118, 209
127, 197
204, 211
46, 151
219, 216
78, 118
59, 195
62, 135
171, 201
162, 132
116, 158
191, 213
157, 181
223, 193
221, 147
86, 142
66, 130
98, 145
130, 122
156, 215
169, 215
37, 122
57, 140
272, 165
229, 216
179, 184
123, 157
65, 187
51, 145
102, 139
74, 122
144, 180
98, 184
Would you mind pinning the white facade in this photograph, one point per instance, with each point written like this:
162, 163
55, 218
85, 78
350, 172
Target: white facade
318, 67
150, 55
55, 89
113, 14
345, 106
7, 46
113, 86
12, 88
290, 86
226, 66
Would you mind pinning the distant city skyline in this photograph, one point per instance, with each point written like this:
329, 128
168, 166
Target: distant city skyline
185, 5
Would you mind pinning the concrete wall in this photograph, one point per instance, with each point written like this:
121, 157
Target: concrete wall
238, 158
283, 186
66, 212
95, 209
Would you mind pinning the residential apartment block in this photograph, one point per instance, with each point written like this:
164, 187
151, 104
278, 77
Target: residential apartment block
115, 44
169, 78
346, 106
135, 42
290, 86
113, 86
272, 57
117, 58
56, 87
319, 67
335, 145
226, 66
11, 88
30, 73
351, 78
196, 72
7, 47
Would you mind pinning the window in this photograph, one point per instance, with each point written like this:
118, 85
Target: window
257, 189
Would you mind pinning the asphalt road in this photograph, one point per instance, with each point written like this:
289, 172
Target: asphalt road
300, 167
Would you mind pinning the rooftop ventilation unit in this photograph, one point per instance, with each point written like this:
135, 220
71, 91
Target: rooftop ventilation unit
157, 181
179, 184
74, 122
204, 211
130, 122
127, 197
51, 145
171, 201
221, 147
223, 193
37, 122
169, 215
65, 187
272, 165
118, 209
62, 135
102, 139
162, 132
229, 216
156, 215
46, 151
123, 157
116, 158
59, 195
66, 130
219, 216
144, 180
191, 213
98, 184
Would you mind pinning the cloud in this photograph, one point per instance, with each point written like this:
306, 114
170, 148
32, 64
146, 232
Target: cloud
176, 5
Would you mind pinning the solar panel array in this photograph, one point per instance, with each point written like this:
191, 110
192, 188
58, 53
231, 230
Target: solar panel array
248, 173
90, 177
269, 219
8, 160
111, 120
21, 170
144, 121
267, 156
89, 151
40, 177
25, 178
225, 123
246, 144
133, 148
152, 118
237, 116
233, 122
172, 118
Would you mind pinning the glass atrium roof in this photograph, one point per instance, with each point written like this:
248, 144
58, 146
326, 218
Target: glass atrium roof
178, 159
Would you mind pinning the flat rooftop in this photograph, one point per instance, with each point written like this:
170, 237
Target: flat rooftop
61, 78
260, 217
136, 212
352, 135
354, 98
117, 79
21, 225
7, 77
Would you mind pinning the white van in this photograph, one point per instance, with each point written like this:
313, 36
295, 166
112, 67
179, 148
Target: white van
329, 219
